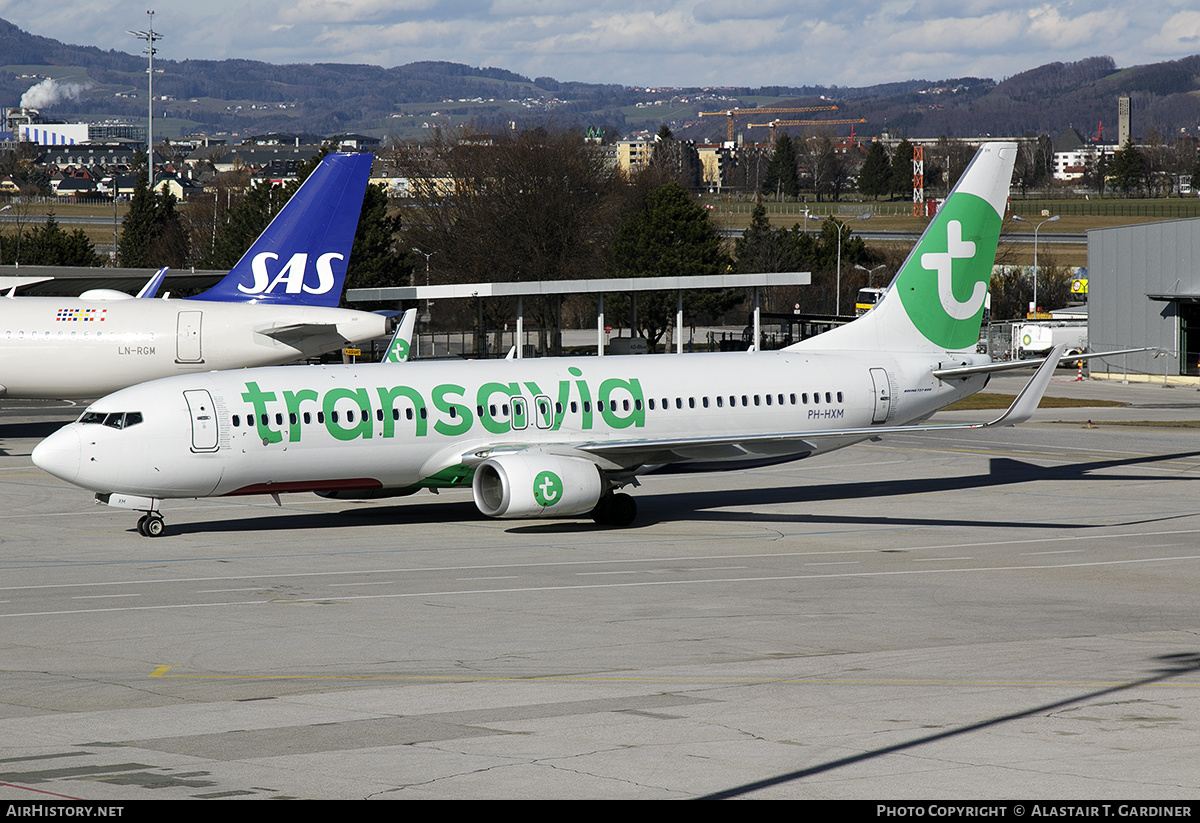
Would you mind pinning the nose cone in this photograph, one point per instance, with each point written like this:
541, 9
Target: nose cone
59, 454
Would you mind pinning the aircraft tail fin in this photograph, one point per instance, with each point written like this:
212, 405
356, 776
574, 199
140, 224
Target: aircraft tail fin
935, 302
150, 290
398, 349
301, 257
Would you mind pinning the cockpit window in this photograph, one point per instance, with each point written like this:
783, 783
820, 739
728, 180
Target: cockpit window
114, 420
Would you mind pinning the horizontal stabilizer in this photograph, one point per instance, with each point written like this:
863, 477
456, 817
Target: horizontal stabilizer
1010, 365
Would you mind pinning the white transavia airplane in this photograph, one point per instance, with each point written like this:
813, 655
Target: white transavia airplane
278, 304
558, 437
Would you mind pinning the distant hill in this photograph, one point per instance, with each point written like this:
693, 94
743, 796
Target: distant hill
250, 97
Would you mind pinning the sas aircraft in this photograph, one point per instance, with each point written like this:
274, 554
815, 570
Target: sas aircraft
277, 304
561, 436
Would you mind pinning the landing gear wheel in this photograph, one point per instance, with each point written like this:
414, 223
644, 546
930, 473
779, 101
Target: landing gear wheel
622, 510
619, 510
599, 514
151, 525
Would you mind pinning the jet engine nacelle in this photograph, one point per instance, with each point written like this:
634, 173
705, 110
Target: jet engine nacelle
536, 485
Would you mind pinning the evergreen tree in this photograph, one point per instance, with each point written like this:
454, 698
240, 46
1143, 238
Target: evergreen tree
670, 237
902, 176
244, 222
782, 177
375, 260
875, 177
1128, 170
137, 229
49, 245
762, 248
151, 233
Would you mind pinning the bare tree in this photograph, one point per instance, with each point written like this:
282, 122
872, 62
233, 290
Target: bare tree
539, 204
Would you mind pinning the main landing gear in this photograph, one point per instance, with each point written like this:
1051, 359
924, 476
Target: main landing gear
619, 510
151, 525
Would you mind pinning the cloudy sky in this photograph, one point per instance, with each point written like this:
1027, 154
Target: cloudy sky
647, 42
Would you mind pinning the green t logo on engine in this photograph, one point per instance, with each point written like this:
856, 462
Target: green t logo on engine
547, 488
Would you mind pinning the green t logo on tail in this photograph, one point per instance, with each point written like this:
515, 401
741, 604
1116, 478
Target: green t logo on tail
398, 353
945, 282
547, 488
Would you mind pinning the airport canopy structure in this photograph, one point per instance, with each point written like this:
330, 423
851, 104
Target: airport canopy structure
616, 285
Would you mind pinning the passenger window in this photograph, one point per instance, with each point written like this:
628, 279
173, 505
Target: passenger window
237, 421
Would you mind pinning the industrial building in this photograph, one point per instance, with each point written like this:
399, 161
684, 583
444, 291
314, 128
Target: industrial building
1144, 290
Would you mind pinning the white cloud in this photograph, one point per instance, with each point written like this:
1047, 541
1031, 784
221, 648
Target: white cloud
648, 42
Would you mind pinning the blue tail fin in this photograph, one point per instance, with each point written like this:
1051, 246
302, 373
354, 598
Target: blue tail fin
302, 256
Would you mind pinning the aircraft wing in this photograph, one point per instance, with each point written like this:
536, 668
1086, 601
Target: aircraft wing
713, 447
306, 336
1009, 365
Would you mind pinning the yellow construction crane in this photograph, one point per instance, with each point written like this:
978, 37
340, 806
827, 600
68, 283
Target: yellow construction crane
774, 123
732, 113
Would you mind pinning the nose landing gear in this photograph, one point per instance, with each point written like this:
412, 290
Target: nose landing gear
151, 524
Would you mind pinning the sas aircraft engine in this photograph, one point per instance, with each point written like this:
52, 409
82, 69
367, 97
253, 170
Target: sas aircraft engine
536, 485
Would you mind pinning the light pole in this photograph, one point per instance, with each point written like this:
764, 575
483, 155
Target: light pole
428, 303
838, 300
871, 271
150, 37
1034, 306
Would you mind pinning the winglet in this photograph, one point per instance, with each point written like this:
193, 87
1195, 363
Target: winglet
154, 283
1027, 401
398, 350
301, 257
